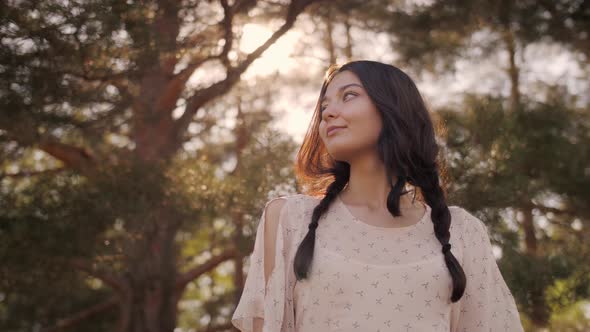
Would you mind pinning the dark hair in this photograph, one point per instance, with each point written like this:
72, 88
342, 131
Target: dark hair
406, 145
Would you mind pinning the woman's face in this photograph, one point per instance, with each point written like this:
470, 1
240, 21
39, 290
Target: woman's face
347, 104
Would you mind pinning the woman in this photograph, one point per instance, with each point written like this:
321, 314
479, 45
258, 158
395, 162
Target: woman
356, 253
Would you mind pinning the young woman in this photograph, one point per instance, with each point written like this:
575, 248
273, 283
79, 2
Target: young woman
356, 252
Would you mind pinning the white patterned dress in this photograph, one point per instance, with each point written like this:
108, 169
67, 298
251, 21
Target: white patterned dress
371, 278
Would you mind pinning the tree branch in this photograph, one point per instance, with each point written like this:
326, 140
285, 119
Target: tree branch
79, 158
108, 278
233, 74
228, 35
174, 88
82, 315
209, 265
32, 173
546, 209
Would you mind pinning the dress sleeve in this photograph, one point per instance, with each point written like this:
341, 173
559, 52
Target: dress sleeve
257, 300
487, 304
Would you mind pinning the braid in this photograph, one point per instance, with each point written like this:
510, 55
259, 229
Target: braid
304, 254
441, 219
393, 198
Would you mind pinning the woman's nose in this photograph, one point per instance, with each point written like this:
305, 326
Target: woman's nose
331, 110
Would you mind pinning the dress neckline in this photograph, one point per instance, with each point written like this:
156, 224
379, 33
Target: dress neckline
382, 228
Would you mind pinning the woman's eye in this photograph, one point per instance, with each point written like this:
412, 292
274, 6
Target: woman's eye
349, 93
323, 107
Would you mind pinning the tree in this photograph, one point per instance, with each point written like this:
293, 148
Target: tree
104, 89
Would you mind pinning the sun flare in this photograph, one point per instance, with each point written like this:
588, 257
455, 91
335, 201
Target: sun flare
276, 57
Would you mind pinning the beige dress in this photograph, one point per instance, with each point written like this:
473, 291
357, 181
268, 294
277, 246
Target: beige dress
370, 278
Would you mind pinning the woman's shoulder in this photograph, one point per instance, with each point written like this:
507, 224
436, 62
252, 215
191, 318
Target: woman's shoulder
290, 199
301, 201
300, 208
306, 197
292, 210
295, 206
466, 222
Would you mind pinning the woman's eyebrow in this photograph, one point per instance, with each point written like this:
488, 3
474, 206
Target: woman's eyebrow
342, 88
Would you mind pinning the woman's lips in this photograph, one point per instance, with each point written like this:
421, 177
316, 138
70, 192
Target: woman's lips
334, 130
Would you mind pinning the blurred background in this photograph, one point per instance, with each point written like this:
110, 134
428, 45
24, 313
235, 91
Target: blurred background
139, 141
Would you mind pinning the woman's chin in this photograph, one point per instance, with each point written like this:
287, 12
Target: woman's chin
339, 154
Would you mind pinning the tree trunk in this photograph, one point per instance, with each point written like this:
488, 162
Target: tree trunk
540, 310
150, 304
529, 232
348, 48
513, 70
329, 40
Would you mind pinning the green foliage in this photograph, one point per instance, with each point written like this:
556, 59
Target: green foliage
434, 35
573, 318
43, 222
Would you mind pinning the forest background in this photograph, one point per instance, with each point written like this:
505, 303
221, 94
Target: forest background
139, 141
